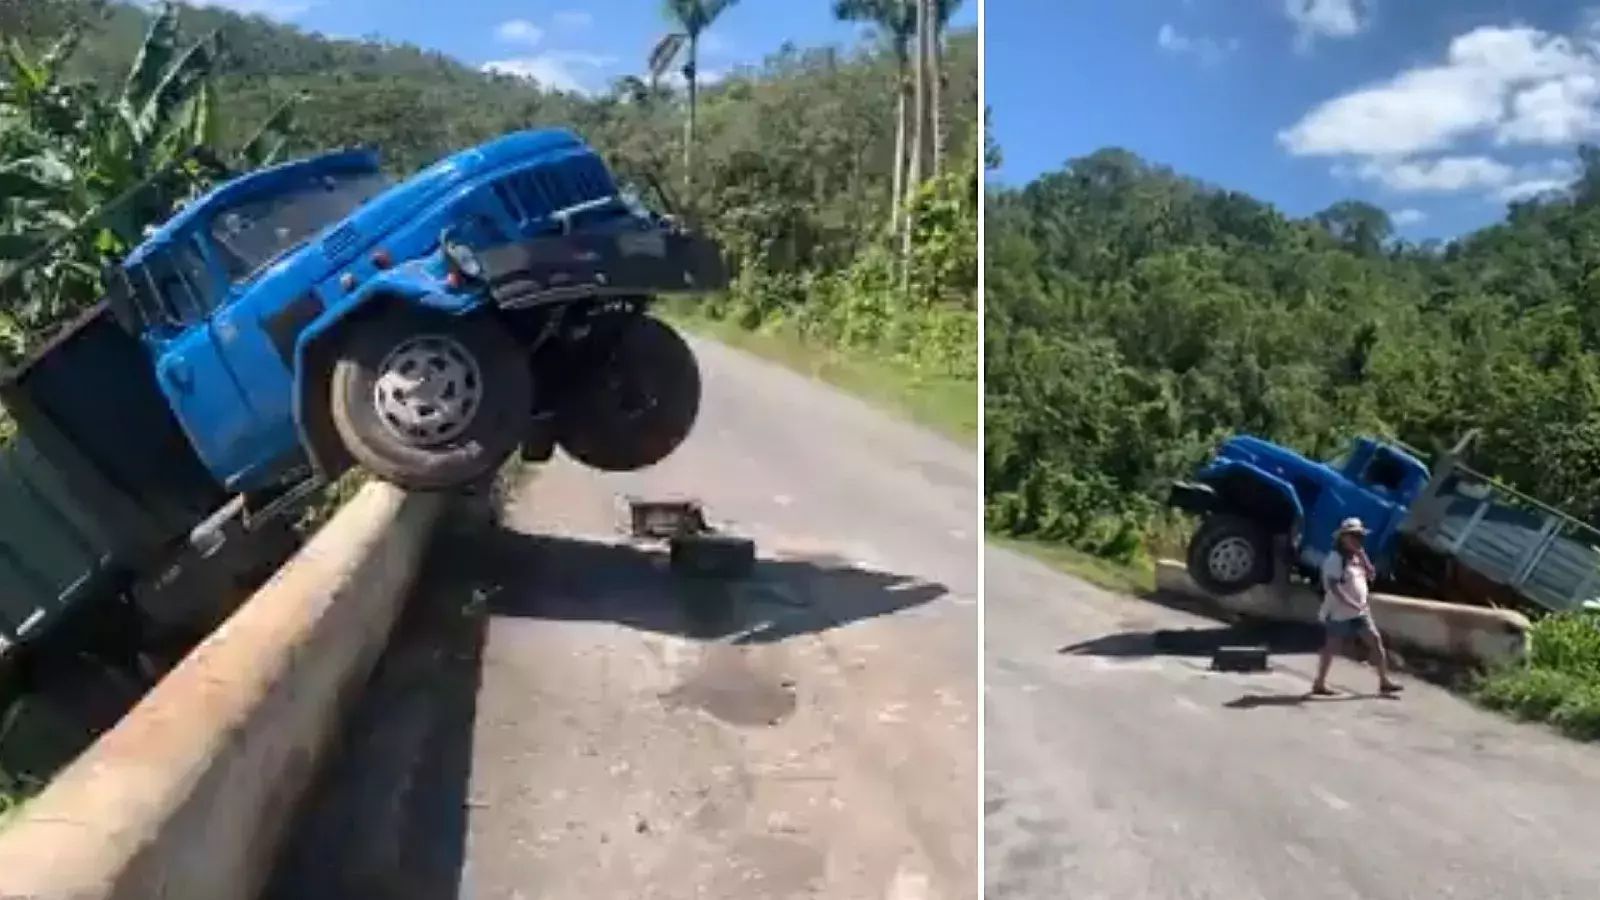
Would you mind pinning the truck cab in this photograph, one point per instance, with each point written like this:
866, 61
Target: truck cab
319, 314
219, 295
1263, 505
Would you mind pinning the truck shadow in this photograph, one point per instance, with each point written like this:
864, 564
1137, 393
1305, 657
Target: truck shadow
388, 817
567, 579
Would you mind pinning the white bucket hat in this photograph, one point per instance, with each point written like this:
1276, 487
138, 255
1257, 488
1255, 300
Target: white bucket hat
1351, 525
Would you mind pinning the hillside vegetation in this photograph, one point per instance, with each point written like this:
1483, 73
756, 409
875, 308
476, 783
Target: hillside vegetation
1135, 317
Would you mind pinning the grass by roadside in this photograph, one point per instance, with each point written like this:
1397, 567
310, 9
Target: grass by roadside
947, 405
1137, 578
1560, 683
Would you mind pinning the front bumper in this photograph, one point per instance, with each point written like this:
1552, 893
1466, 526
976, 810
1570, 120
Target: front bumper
664, 259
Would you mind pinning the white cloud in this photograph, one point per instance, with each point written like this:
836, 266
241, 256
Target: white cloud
1335, 19
1518, 85
572, 18
1208, 51
1445, 174
559, 70
1408, 216
519, 31
1508, 87
1559, 111
1531, 181
1457, 174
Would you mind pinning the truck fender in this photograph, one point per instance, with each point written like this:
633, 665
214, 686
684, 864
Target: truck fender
1247, 490
409, 285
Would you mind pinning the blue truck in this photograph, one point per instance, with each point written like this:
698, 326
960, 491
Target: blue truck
1268, 513
297, 321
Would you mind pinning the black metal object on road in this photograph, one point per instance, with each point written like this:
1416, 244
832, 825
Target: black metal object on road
694, 547
1240, 659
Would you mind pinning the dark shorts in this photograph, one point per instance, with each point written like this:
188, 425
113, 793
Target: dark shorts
1349, 628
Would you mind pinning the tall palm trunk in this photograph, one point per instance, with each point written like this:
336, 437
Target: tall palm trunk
691, 70
902, 108
936, 87
919, 139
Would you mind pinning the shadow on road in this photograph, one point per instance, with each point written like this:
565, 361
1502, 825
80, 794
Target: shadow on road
1259, 701
566, 579
1201, 642
388, 818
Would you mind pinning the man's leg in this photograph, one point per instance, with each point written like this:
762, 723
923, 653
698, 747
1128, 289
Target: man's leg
1380, 659
1330, 645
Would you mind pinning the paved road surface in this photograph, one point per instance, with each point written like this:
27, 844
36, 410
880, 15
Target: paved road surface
572, 733
1114, 773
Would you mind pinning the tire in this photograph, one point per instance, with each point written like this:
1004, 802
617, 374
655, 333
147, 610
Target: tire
408, 441
596, 428
1229, 555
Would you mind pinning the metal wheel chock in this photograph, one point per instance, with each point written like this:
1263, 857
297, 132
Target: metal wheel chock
695, 548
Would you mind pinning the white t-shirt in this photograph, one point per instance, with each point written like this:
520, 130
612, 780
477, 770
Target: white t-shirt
1344, 588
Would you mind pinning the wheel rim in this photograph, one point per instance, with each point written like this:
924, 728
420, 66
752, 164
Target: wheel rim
1231, 559
428, 390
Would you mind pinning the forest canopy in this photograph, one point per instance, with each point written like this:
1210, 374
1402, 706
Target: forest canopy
1135, 317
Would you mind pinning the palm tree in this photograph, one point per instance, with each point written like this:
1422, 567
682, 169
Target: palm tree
692, 17
896, 21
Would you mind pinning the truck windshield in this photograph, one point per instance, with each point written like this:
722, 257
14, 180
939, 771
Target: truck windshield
254, 234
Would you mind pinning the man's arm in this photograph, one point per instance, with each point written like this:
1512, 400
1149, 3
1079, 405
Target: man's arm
1366, 565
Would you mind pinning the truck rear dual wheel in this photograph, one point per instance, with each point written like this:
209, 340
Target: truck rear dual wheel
1229, 555
430, 402
639, 406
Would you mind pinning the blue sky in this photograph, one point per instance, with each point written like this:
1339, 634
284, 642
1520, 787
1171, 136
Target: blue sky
1437, 110
566, 43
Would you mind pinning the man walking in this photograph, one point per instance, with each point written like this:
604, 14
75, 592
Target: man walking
1347, 574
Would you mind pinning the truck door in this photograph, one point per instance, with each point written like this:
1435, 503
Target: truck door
1375, 494
232, 431
1378, 498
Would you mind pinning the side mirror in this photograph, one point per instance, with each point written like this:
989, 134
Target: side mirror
119, 299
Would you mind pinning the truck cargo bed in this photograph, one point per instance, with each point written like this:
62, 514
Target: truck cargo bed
1492, 540
53, 551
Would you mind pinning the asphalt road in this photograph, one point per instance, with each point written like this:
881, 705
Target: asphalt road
1115, 772
559, 718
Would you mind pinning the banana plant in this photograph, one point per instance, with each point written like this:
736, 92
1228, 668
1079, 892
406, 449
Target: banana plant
66, 151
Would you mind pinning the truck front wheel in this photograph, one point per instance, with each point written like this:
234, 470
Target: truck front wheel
430, 402
638, 406
1229, 555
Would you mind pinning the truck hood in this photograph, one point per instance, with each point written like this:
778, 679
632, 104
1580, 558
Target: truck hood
342, 242
1250, 449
